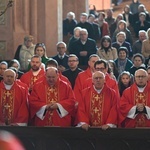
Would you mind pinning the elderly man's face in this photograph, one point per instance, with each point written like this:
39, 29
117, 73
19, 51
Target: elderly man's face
51, 77
9, 77
141, 78
98, 80
83, 35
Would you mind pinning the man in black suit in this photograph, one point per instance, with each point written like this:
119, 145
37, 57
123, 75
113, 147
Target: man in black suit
83, 48
97, 31
61, 57
73, 70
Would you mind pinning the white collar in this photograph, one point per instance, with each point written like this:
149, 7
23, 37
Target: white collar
8, 87
98, 91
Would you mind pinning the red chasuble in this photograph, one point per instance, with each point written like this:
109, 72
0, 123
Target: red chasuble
29, 79
109, 82
98, 109
43, 94
131, 96
13, 104
80, 81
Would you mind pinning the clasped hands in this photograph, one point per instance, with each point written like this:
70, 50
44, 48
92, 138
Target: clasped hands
51, 106
140, 107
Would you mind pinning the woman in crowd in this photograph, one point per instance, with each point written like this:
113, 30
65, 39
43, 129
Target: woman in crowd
40, 50
122, 62
138, 63
106, 51
15, 63
122, 26
125, 80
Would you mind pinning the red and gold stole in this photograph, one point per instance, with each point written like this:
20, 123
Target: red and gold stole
33, 80
140, 97
96, 108
7, 103
51, 96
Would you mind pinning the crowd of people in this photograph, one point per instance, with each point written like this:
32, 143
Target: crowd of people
99, 77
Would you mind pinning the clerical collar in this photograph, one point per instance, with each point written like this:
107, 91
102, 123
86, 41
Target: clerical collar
35, 73
141, 89
98, 91
8, 87
61, 56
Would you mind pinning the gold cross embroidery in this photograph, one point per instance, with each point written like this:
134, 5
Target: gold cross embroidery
34, 79
140, 96
7, 93
7, 106
96, 97
96, 110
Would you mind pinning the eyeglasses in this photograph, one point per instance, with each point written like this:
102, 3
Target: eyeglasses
138, 77
72, 60
100, 69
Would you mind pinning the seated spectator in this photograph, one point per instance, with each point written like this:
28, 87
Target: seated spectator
122, 62
128, 16
134, 6
125, 80
61, 57
69, 24
97, 31
75, 37
109, 18
122, 27
106, 51
113, 69
24, 52
141, 8
15, 63
142, 24
86, 25
40, 50
138, 63
83, 48
137, 46
73, 70
3, 67
146, 46
113, 26
120, 42
104, 27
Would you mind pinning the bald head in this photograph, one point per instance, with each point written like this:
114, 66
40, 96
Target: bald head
51, 75
9, 76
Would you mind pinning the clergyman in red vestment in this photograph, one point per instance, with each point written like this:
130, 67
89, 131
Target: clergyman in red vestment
52, 101
13, 101
98, 107
135, 103
35, 74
